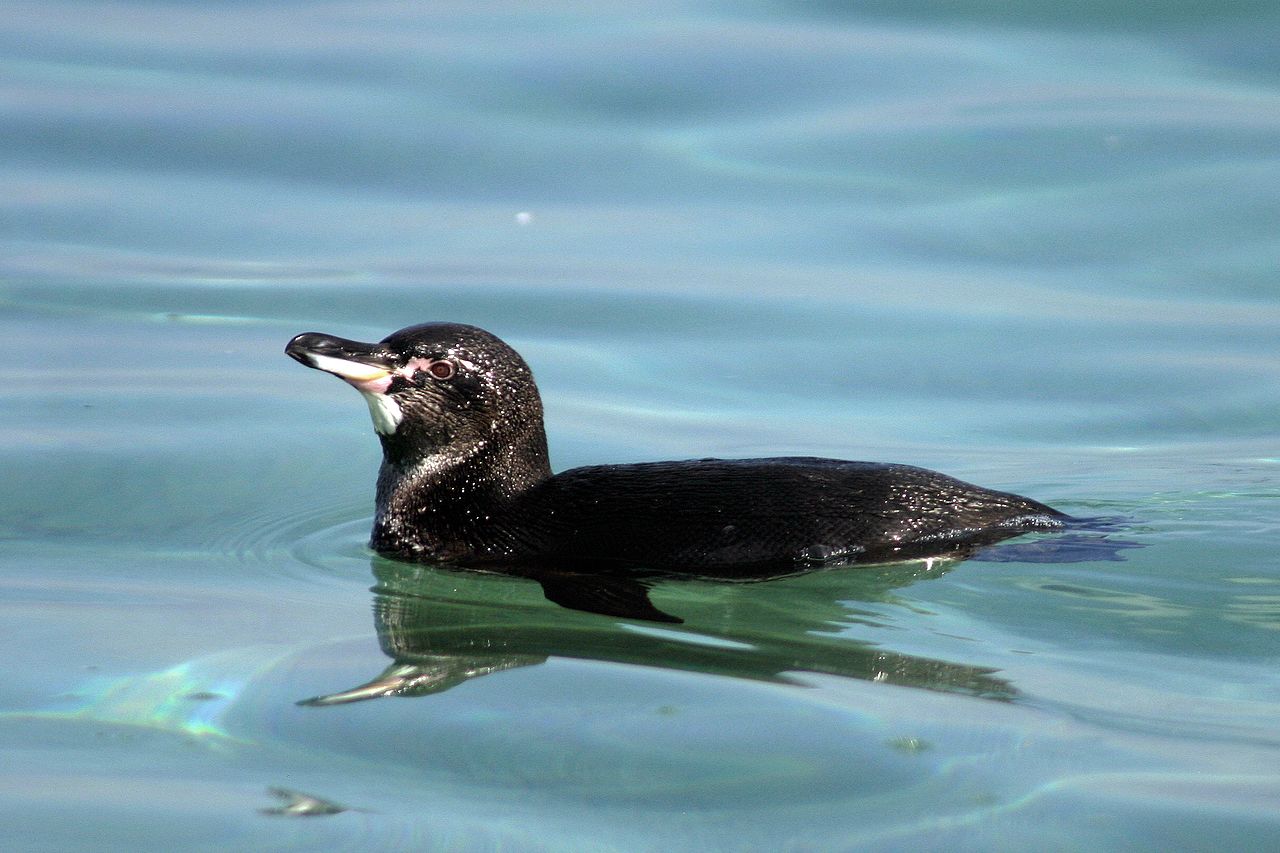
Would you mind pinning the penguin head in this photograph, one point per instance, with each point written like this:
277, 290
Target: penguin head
435, 388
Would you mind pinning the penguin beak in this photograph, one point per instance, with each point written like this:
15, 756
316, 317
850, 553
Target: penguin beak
367, 367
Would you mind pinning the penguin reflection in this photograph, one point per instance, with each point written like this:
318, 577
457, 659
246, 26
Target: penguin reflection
442, 627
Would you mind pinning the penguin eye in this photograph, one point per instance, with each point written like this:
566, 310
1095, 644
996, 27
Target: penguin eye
441, 369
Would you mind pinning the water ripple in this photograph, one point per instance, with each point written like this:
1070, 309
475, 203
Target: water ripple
311, 544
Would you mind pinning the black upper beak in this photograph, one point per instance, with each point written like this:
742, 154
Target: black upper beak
313, 348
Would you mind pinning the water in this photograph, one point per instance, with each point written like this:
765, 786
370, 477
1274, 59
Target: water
1028, 245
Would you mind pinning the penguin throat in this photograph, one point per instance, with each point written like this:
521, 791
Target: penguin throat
384, 410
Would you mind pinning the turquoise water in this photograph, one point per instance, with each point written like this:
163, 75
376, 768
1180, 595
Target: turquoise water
1030, 245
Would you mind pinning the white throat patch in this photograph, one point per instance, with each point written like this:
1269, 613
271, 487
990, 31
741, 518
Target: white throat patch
384, 410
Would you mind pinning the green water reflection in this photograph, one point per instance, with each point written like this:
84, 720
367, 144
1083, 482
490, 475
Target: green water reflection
442, 627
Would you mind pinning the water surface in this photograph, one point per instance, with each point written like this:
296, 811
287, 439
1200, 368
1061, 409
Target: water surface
1029, 246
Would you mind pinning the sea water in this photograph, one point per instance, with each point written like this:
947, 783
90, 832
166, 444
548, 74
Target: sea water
1030, 245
